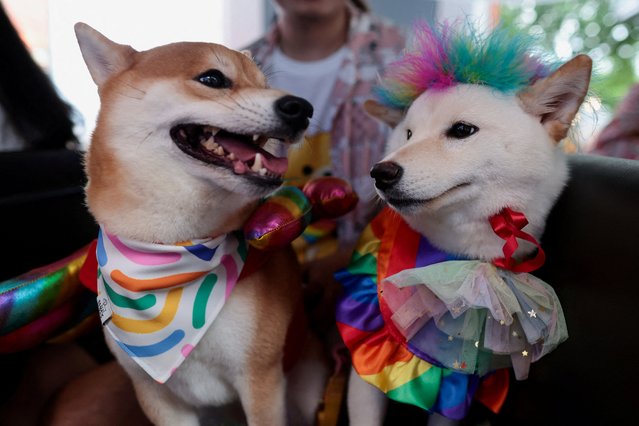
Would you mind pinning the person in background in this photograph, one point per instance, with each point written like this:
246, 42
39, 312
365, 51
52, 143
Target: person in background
32, 115
331, 52
620, 138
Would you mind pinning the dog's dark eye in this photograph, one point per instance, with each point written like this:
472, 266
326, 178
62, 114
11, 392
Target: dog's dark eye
409, 133
214, 79
461, 130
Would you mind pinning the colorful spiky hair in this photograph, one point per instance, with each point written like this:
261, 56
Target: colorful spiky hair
446, 55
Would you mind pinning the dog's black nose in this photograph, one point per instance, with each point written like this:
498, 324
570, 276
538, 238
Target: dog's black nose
294, 111
386, 174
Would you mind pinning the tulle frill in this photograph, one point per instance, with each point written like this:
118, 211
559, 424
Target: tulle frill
382, 358
473, 317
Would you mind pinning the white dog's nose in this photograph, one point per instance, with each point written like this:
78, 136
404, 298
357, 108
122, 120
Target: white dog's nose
386, 174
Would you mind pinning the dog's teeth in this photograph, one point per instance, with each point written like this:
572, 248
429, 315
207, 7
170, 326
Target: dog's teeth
255, 137
231, 156
219, 151
262, 171
257, 165
209, 144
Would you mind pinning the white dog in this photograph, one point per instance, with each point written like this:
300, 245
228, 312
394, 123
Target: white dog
462, 150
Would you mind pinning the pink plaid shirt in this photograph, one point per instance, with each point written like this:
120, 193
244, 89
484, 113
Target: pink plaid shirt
357, 139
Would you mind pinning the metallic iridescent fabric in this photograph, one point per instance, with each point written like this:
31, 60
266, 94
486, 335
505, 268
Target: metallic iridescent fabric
44, 303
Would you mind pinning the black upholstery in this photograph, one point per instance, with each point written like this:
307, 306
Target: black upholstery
42, 212
591, 242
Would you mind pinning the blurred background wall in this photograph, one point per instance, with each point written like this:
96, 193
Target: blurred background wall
607, 30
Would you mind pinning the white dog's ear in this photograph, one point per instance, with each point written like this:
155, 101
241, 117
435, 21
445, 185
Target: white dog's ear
103, 57
556, 98
388, 115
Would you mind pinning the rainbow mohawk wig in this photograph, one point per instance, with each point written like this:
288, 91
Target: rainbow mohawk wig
446, 55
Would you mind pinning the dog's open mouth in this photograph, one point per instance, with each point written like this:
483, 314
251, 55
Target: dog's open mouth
243, 154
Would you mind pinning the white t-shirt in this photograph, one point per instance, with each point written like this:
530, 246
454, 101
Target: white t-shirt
312, 81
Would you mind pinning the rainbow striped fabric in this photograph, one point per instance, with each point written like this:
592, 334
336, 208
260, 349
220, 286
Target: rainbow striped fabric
158, 300
380, 354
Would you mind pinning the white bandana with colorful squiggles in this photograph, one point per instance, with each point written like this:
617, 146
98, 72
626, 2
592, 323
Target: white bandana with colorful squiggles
158, 300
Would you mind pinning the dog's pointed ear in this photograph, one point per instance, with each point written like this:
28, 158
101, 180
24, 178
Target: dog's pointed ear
103, 57
388, 115
556, 98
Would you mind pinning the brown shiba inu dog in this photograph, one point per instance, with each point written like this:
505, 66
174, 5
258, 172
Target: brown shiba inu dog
177, 155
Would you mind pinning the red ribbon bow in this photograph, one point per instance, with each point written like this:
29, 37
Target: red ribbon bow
508, 225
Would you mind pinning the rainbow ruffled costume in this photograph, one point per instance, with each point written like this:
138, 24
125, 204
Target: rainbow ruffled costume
433, 330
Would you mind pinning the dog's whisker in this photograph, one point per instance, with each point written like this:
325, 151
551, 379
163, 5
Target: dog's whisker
222, 104
135, 88
248, 104
269, 71
247, 107
220, 59
239, 94
129, 96
232, 98
134, 135
148, 135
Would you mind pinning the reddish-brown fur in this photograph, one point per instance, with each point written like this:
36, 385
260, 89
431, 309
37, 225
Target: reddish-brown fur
158, 193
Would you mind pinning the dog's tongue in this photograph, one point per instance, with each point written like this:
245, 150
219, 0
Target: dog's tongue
246, 151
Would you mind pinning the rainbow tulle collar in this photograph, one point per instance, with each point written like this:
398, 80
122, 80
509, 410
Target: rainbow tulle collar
434, 330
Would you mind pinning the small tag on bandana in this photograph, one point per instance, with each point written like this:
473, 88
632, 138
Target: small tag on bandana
104, 309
